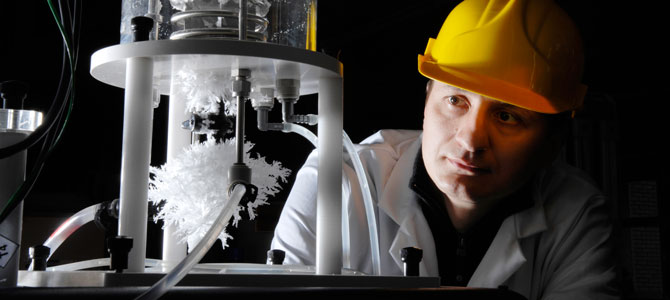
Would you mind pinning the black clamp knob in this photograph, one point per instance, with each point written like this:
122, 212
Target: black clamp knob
276, 257
119, 246
39, 255
141, 27
107, 217
411, 257
211, 122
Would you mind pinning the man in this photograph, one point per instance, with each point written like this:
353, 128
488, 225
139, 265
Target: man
478, 189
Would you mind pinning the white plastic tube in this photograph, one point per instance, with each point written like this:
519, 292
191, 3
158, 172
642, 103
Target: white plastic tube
172, 278
68, 227
365, 191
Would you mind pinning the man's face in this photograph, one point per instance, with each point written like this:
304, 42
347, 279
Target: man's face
478, 149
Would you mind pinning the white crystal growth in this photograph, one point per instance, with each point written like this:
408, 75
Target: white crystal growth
193, 187
205, 91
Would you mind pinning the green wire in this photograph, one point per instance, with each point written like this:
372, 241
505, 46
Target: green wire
66, 40
67, 116
62, 32
68, 47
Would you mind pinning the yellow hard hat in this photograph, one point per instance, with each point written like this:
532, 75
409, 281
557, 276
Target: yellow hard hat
526, 53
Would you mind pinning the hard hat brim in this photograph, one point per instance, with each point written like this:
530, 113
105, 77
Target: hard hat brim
486, 86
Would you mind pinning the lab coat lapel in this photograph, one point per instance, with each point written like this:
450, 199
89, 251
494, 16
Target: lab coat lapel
399, 203
396, 193
501, 260
507, 254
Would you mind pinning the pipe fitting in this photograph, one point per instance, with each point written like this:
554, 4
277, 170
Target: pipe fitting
266, 101
288, 89
240, 73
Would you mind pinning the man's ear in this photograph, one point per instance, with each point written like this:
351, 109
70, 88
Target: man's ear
429, 85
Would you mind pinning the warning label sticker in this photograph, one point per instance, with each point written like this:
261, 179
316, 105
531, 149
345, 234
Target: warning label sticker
7, 249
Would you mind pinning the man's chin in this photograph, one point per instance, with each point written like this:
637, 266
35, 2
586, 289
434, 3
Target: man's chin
467, 193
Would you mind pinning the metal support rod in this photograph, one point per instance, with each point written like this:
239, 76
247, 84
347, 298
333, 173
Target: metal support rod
239, 130
242, 20
135, 157
239, 172
329, 183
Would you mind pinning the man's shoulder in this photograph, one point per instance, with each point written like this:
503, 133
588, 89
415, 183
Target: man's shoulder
567, 192
381, 152
392, 136
392, 141
561, 178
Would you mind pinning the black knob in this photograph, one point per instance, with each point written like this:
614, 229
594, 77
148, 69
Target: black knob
411, 257
39, 255
141, 27
107, 217
276, 257
119, 246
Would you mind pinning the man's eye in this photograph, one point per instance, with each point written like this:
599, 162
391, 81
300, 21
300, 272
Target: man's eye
507, 117
453, 100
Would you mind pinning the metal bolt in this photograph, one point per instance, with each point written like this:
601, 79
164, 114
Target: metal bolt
241, 86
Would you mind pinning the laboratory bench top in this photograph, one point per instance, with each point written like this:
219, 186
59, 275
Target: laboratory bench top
100, 293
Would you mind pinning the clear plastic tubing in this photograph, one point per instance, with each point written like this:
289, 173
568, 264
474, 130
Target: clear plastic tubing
96, 263
367, 201
302, 131
365, 190
70, 226
172, 278
311, 137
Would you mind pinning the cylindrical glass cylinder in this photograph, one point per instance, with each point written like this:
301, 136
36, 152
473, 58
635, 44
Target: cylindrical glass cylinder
293, 23
284, 22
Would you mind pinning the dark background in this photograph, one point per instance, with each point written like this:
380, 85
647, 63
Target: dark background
378, 43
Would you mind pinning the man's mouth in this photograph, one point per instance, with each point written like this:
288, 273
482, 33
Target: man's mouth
469, 168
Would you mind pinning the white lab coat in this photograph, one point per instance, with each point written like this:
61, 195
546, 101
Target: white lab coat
558, 249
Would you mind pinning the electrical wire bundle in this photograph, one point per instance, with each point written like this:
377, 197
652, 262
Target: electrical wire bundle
56, 119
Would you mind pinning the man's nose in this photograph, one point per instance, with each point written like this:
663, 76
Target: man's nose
472, 132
